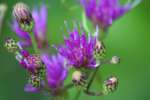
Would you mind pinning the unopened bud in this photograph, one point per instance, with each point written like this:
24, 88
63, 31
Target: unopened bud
115, 60
35, 81
110, 85
24, 17
11, 45
78, 78
40, 71
99, 50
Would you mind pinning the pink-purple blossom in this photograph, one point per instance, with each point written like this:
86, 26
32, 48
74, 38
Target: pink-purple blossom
56, 70
79, 50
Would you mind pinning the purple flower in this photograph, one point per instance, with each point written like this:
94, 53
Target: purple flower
78, 50
40, 19
104, 12
31, 63
56, 71
26, 40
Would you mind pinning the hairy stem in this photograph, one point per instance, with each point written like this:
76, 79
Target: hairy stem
91, 79
34, 44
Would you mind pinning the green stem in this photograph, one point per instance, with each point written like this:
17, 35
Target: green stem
77, 95
91, 79
91, 93
87, 91
34, 44
84, 22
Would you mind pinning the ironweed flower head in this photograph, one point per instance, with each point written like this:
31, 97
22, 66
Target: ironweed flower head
79, 49
40, 22
56, 71
104, 12
23, 16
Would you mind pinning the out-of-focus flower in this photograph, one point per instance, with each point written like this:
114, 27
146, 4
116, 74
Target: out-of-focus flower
35, 69
79, 50
56, 71
31, 63
40, 20
104, 12
23, 15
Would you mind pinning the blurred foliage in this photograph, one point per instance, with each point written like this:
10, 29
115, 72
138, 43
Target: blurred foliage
128, 38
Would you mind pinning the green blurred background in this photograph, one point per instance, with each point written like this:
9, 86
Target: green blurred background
129, 38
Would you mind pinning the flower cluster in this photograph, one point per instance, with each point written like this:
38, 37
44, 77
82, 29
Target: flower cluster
82, 52
39, 17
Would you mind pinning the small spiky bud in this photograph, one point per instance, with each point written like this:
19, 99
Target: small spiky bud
40, 71
110, 85
99, 50
23, 16
115, 60
79, 79
35, 81
11, 45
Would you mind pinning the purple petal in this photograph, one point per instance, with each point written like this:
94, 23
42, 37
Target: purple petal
30, 88
40, 18
19, 32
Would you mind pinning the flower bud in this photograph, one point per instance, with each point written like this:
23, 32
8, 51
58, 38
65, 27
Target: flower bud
11, 45
78, 78
110, 84
35, 81
115, 60
40, 71
24, 17
99, 50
